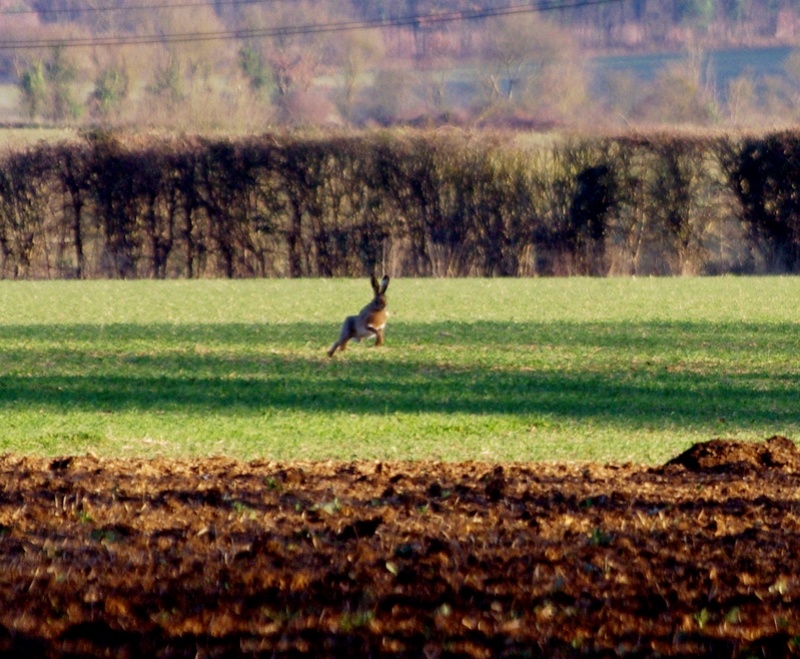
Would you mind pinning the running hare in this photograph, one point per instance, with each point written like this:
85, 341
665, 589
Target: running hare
369, 322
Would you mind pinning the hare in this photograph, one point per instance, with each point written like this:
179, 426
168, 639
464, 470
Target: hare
369, 322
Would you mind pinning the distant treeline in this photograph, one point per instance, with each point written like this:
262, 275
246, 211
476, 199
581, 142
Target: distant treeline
449, 203
655, 22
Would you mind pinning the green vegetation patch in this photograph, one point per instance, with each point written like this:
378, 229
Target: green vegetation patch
494, 369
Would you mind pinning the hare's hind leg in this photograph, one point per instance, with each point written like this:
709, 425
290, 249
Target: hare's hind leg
340, 345
347, 333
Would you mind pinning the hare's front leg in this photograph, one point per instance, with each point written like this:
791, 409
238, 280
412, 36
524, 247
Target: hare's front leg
378, 337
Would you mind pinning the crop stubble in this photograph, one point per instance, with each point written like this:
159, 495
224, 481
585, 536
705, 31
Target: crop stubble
216, 556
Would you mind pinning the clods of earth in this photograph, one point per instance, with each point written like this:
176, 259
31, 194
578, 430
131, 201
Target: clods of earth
217, 557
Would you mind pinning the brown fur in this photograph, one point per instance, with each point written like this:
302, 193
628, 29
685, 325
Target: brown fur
371, 320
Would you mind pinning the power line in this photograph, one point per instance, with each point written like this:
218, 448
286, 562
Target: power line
297, 30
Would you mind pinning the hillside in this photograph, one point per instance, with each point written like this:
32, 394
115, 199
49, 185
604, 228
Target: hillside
243, 65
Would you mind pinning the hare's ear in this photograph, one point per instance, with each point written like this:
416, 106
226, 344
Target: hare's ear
384, 284
375, 286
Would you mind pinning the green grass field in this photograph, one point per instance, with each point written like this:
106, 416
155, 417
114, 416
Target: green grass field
492, 369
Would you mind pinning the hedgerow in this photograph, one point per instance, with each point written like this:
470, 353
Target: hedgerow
438, 203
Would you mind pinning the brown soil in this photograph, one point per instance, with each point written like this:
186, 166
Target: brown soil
217, 557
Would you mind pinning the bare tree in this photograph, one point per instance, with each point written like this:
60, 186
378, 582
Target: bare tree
531, 64
679, 95
357, 53
742, 100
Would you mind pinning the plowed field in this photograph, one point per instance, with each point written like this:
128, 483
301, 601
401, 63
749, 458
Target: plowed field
217, 557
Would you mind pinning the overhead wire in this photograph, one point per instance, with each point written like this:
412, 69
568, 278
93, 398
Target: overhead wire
296, 30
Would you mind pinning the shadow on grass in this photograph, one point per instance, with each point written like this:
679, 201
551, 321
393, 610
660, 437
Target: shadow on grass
254, 368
